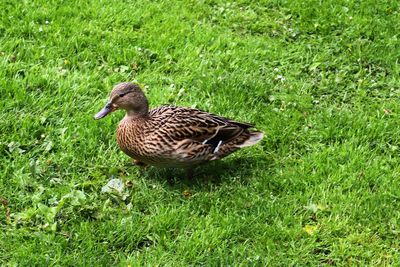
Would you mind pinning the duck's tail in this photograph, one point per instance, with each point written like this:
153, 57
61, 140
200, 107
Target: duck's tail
252, 139
245, 139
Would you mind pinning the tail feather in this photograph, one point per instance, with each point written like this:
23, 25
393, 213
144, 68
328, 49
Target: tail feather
254, 138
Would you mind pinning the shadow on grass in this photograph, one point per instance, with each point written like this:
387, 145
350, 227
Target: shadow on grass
238, 169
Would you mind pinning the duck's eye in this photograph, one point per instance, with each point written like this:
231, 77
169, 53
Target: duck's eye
121, 95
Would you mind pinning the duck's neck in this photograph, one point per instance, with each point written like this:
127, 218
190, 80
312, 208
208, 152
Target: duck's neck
134, 115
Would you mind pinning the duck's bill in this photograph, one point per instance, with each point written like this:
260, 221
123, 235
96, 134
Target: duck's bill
104, 112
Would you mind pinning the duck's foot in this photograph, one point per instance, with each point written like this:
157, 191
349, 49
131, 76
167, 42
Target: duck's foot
170, 180
139, 163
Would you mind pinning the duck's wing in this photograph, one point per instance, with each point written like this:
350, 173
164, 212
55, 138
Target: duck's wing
180, 123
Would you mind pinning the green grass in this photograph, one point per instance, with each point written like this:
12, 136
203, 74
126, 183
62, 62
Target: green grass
321, 78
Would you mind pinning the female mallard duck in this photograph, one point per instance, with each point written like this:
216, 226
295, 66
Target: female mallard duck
171, 136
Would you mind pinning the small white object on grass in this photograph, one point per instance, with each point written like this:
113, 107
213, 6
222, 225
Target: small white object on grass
116, 187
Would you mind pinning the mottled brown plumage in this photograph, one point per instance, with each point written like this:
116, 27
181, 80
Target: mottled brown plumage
171, 136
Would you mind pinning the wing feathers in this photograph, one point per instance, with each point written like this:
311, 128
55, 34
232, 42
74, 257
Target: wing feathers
188, 123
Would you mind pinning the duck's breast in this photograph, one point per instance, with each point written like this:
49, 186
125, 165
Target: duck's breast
129, 138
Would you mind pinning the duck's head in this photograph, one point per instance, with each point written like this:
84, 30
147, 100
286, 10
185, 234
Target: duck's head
127, 96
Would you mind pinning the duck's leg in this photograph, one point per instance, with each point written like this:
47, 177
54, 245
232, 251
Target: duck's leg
139, 163
189, 174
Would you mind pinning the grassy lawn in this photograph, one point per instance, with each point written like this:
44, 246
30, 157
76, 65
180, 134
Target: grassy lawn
320, 78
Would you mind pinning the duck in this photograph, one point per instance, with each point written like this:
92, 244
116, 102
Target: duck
172, 136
